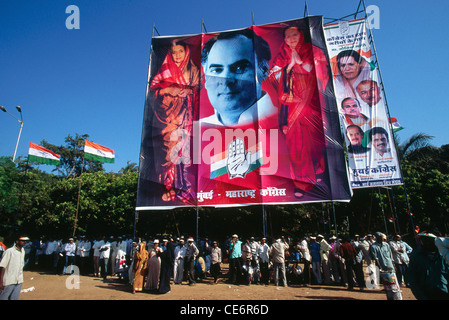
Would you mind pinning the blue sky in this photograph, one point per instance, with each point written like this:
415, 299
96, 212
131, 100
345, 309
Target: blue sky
92, 80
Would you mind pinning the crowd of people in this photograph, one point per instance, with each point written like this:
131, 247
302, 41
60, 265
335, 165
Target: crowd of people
154, 264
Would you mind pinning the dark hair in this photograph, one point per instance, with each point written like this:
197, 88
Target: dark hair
347, 98
377, 130
261, 47
305, 35
177, 43
349, 53
355, 126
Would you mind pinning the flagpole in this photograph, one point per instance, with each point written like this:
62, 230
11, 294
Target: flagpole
383, 212
197, 217
335, 219
78, 201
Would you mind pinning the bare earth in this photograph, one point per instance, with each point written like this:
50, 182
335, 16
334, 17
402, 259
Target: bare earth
43, 286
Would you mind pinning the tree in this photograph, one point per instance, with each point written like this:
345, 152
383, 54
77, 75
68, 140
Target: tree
130, 167
72, 156
414, 143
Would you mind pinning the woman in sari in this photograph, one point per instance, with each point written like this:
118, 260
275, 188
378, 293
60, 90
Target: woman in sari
175, 92
295, 71
154, 267
140, 267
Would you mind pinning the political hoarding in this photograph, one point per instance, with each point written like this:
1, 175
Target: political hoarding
241, 117
372, 156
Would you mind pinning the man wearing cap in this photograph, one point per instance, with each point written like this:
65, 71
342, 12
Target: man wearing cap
324, 254
428, 271
264, 259
105, 252
180, 253
11, 270
364, 247
69, 250
277, 254
400, 258
235, 259
191, 254
381, 253
215, 259
246, 261
84, 247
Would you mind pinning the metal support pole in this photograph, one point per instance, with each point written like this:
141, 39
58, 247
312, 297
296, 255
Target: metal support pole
383, 212
335, 220
17, 143
78, 201
197, 217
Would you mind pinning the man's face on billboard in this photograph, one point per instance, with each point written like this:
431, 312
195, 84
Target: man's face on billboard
230, 75
369, 92
355, 136
380, 142
351, 108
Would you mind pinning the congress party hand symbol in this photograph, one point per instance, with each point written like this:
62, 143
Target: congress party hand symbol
238, 162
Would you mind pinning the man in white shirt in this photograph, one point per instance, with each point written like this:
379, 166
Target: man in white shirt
105, 251
69, 250
380, 142
51, 253
84, 248
277, 254
11, 270
97, 245
180, 253
234, 71
264, 259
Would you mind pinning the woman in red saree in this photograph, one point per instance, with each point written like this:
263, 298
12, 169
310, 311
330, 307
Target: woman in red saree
295, 71
175, 91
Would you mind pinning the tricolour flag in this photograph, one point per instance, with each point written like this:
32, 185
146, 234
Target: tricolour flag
96, 152
39, 154
395, 124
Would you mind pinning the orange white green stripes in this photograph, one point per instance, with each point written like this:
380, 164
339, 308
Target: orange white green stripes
395, 124
37, 153
96, 152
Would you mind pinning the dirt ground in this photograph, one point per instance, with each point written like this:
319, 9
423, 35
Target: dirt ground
40, 285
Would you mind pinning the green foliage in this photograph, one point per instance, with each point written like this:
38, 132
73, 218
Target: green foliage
44, 204
72, 162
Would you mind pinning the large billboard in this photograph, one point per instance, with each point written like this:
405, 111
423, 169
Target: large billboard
242, 117
364, 117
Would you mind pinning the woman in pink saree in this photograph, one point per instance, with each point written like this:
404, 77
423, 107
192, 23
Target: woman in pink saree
295, 71
175, 90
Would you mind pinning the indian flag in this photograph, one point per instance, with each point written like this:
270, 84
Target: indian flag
395, 124
96, 152
39, 154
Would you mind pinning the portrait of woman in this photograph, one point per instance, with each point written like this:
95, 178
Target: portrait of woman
174, 90
294, 73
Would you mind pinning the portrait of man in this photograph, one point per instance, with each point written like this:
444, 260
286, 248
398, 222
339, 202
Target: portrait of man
352, 111
234, 71
355, 136
352, 69
380, 142
369, 92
